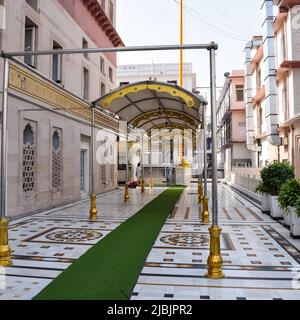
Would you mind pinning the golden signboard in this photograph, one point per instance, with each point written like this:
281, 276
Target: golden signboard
107, 122
31, 85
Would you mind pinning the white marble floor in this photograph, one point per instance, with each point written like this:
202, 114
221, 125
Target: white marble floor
260, 258
45, 244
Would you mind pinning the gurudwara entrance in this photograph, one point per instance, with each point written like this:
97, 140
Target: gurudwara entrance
164, 122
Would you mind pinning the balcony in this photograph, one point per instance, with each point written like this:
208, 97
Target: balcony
259, 96
285, 4
290, 64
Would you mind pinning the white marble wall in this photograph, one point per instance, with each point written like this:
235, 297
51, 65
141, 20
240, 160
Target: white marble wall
73, 133
55, 24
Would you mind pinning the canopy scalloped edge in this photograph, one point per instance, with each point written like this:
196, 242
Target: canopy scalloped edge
173, 91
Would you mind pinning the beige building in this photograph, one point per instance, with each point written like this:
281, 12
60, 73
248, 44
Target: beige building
49, 111
272, 86
231, 120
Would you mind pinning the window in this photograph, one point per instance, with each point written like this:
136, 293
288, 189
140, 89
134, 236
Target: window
111, 12
260, 120
284, 102
242, 128
85, 84
85, 45
111, 150
125, 83
28, 137
82, 169
30, 42
103, 91
209, 143
160, 149
56, 160
33, 4
111, 74
173, 82
102, 65
56, 63
283, 46
28, 159
172, 151
239, 93
259, 82
103, 173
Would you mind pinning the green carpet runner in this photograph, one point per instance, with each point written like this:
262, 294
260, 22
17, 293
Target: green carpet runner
110, 269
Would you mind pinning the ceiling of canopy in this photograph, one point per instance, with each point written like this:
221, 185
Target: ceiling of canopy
155, 105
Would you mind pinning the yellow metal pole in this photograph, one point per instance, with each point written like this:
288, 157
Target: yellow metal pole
200, 192
143, 169
5, 259
215, 261
93, 209
150, 178
126, 195
181, 43
143, 187
151, 183
205, 210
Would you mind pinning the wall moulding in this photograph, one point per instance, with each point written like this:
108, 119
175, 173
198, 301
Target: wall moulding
25, 82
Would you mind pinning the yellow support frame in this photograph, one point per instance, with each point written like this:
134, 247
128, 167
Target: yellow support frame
173, 91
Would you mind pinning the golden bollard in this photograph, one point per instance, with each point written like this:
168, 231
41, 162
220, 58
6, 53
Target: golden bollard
93, 210
215, 261
151, 183
5, 259
143, 186
126, 195
199, 187
205, 210
200, 193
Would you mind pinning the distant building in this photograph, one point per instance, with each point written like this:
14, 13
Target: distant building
205, 93
231, 122
165, 72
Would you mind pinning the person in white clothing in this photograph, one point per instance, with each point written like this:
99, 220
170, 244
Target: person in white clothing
169, 176
138, 172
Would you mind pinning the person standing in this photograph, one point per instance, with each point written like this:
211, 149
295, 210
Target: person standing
169, 176
138, 172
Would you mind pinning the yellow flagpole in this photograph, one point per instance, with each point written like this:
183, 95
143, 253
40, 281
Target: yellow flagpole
181, 43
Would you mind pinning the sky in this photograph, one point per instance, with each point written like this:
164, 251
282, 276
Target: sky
230, 23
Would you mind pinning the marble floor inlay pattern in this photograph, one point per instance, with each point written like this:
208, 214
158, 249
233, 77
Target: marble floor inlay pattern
260, 259
259, 256
43, 245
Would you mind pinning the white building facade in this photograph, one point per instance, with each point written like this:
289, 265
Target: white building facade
164, 72
272, 86
232, 149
